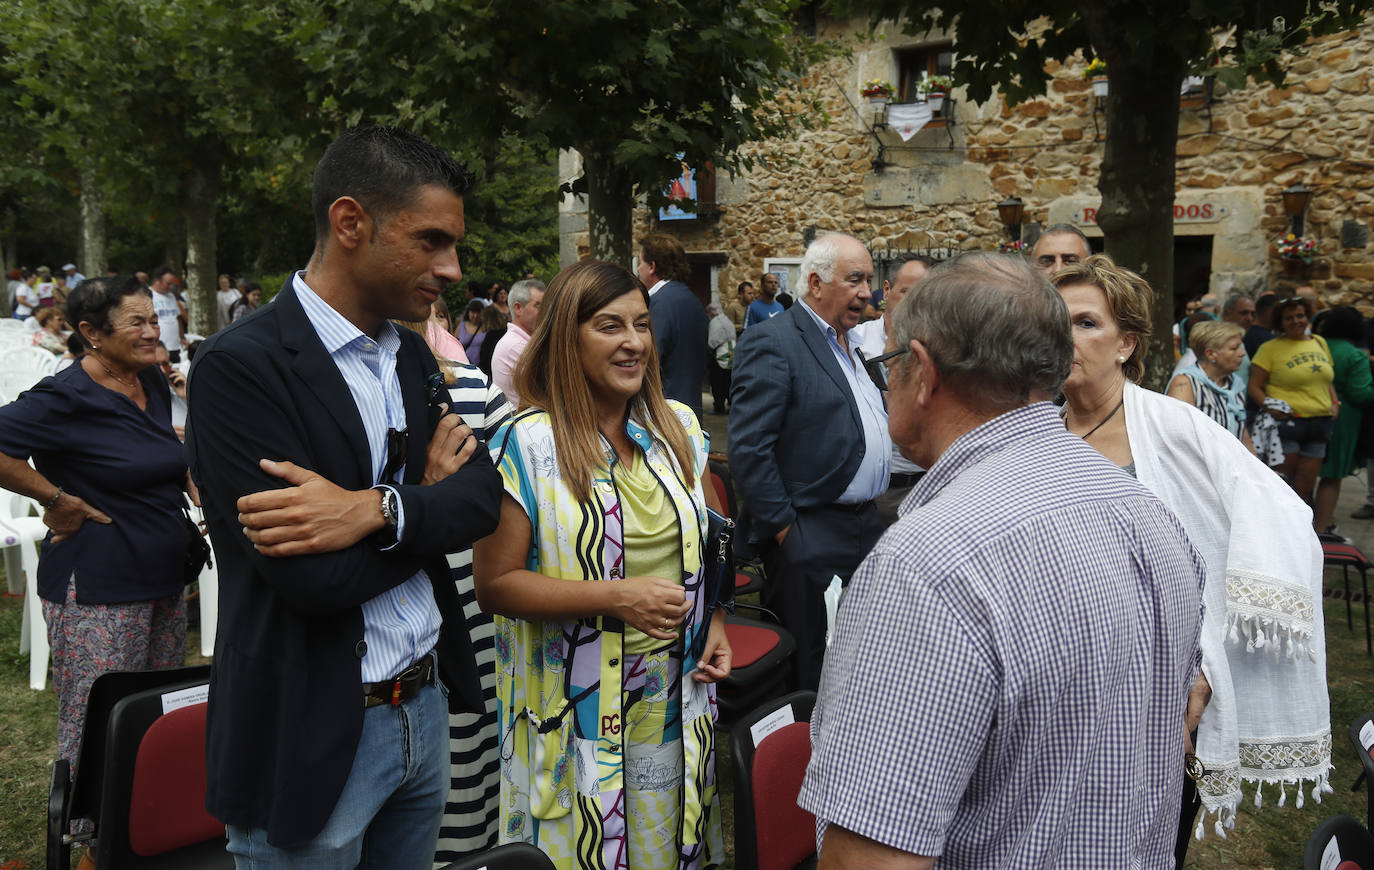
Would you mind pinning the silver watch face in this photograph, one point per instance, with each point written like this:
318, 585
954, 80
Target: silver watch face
390, 509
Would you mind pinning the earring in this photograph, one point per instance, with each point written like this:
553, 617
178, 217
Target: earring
1121, 360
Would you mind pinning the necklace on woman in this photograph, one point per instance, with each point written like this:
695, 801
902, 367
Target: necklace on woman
1105, 419
130, 384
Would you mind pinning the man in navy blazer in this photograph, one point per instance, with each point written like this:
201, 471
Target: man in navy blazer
333, 484
679, 318
809, 448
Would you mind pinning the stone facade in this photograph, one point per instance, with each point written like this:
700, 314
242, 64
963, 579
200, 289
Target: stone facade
1236, 153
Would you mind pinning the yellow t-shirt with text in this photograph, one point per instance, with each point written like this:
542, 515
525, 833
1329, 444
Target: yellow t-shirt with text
1300, 373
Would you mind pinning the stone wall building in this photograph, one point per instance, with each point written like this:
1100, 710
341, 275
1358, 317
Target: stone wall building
1237, 151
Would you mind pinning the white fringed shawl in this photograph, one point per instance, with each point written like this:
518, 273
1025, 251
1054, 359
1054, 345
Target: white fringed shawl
1263, 638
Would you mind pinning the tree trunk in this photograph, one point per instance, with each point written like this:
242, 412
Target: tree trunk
610, 205
198, 205
265, 238
1137, 180
9, 244
93, 256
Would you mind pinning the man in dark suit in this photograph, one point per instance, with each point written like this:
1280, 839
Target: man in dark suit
333, 483
809, 448
679, 318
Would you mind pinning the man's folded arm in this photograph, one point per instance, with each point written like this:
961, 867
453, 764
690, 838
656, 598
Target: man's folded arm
229, 431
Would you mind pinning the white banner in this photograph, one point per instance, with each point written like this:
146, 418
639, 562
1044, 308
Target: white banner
908, 118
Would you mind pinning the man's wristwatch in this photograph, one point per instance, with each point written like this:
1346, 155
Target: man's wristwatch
391, 512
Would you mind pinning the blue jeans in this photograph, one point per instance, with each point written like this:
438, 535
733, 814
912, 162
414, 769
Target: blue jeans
392, 803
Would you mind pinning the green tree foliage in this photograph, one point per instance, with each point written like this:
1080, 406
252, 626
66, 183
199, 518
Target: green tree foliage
630, 84
512, 212
1148, 49
206, 111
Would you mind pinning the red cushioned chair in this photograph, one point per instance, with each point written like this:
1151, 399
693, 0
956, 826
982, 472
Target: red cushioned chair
1347, 837
760, 669
748, 573
771, 746
1347, 555
141, 778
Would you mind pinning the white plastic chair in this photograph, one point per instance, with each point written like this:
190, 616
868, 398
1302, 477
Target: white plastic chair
11, 340
209, 595
34, 358
9, 324
15, 381
19, 529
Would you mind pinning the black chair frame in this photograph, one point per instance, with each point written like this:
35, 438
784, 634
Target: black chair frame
511, 856
1351, 837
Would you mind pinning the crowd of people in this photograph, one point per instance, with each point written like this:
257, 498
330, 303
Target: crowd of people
1088, 611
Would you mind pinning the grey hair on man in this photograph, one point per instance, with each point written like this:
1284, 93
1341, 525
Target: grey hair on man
1069, 229
819, 259
996, 329
520, 291
1228, 308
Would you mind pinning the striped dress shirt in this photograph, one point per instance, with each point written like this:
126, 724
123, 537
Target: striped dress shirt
402, 623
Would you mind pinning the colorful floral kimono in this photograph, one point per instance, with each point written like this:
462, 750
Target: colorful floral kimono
562, 688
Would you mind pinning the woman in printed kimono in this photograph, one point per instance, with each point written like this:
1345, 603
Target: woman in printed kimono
608, 644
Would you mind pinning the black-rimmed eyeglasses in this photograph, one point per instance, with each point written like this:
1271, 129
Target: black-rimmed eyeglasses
396, 443
877, 367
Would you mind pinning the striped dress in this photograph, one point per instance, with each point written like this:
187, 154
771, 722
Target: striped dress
471, 818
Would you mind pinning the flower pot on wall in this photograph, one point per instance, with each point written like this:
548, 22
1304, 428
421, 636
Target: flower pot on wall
1293, 267
1099, 86
877, 101
936, 99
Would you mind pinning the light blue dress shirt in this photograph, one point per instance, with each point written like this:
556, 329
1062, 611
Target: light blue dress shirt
402, 623
875, 469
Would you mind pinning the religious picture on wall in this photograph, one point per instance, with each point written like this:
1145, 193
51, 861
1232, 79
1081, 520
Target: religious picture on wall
682, 188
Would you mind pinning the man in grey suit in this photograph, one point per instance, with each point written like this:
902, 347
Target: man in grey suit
809, 448
680, 323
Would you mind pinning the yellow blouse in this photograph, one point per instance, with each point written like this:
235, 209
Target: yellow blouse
652, 539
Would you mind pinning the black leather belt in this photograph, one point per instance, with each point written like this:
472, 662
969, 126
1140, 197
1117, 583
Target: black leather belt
848, 508
403, 686
909, 478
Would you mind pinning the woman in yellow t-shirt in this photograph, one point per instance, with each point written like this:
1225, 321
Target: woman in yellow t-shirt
1297, 368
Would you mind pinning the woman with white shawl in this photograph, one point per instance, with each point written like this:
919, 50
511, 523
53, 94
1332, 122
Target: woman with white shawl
1260, 705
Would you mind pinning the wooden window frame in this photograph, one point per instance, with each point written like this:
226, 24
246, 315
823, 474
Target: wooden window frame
912, 61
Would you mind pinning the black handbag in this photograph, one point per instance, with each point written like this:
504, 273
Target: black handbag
197, 550
718, 574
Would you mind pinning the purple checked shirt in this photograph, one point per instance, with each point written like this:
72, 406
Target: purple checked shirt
1007, 682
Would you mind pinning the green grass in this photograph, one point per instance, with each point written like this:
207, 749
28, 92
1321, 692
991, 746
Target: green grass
1269, 838
28, 721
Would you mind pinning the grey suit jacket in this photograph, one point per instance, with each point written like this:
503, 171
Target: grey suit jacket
796, 438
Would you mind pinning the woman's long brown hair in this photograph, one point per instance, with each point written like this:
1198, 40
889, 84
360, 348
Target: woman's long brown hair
550, 375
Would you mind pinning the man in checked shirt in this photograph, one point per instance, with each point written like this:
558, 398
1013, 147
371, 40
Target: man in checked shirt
1007, 683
